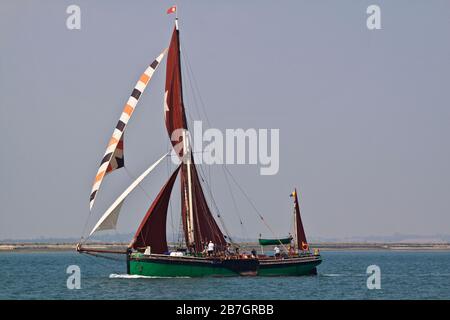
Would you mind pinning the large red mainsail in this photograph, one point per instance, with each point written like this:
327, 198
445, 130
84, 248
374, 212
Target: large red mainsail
204, 227
152, 231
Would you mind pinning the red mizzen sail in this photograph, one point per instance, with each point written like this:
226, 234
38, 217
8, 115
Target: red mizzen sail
301, 236
152, 231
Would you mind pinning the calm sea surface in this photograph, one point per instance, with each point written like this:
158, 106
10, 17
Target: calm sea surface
342, 275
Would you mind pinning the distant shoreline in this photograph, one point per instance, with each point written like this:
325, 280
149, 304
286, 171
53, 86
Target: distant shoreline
325, 246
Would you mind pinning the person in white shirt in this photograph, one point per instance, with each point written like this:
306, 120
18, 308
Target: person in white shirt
277, 251
210, 248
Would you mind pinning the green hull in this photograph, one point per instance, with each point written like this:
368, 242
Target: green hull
161, 266
158, 269
300, 268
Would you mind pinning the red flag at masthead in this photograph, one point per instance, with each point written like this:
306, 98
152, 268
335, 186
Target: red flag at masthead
172, 9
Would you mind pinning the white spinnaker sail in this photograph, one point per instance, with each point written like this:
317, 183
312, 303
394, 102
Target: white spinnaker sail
109, 219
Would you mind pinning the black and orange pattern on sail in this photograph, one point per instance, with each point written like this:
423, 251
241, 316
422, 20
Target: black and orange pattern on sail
113, 158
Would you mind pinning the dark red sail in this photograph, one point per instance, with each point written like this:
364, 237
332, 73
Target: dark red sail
174, 114
152, 231
301, 237
205, 227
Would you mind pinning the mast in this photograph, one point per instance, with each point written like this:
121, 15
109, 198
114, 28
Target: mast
197, 218
190, 217
295, 224
187, 150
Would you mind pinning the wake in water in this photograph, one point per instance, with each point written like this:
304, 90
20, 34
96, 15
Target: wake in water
342, 275
135, 276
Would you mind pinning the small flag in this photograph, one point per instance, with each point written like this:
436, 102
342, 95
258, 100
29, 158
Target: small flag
293, 194
172, 9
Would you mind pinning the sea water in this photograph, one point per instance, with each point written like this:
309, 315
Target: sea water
342, 275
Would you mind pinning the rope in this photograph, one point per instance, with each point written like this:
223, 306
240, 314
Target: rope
101, 256
244, 231
189, 68
202, 173
254, 208
170, 199
218, 214
195, 92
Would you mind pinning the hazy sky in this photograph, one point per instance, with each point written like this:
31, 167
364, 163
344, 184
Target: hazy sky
363, 115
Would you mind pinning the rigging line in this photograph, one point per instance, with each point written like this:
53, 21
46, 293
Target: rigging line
211, 196
202, 174
195, 92
83, 239
254, 208
210, 223
186, 97
185, 55
146, 193
292, 227
244, 231
180, 239
170, 199
197, 223
191, 118
202, 104
189, 73
194, 100
209, 189
141, 188
94, 259
102, 256
218, 214
195, 89
201, 115
132, 177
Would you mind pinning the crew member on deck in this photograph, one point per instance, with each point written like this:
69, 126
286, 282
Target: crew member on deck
291, 249
277, 251
210, 248
205, 248
227, 250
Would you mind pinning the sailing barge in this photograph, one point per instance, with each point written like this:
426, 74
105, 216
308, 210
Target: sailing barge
148, 253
